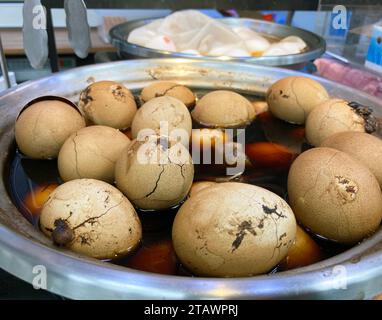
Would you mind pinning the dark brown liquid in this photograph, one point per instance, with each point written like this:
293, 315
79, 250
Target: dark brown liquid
274, 145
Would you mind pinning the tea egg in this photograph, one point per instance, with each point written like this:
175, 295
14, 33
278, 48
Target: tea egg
162, 113
364, 147
167, 88
208, 139
303, 252
334, 195
108, 103
156, 257
333, 116
233, 230
200, 185
43, 126
91, 217
260, 107
36, 198
269, 155
292, 98
223, 109
91, 153
156, 173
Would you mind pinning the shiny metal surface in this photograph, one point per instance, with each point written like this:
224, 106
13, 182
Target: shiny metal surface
316, 44
35, 36
354, 274
4, 66
78, 27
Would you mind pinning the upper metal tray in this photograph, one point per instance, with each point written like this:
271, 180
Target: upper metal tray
316, 44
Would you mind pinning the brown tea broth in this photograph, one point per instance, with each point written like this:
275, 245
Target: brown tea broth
25, 175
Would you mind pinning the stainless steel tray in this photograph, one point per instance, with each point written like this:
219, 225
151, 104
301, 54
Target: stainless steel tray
316, 44
22, 246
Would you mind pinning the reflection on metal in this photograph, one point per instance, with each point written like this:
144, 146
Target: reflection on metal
3, 65
35, 37
78, 27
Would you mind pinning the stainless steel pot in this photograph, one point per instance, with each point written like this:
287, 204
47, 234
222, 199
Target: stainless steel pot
316, 44
354, 274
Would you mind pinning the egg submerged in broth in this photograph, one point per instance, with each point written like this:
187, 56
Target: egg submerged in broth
233, 230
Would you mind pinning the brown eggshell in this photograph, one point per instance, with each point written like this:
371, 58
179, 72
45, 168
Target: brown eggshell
364, 147
293, 98
334, 195
167, 88
148, 181
42, 128
91, 153
162, 109
108, 103
233, 230
303, 252
333, 116
199, 186
260, 106
101, 221
223, 108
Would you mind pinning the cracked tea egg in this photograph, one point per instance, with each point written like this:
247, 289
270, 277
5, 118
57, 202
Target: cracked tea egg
364, 147
208, 139
334, 116
91, 217
303, 252
108, 103
233, 230
156, 173
162, 113
167, 88
334, 195
91, 153
223, 109
292, 98
44, 124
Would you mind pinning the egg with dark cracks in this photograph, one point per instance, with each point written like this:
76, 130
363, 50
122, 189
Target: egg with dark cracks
292, 98
108, 103
233, 230
334, 195
91, 217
